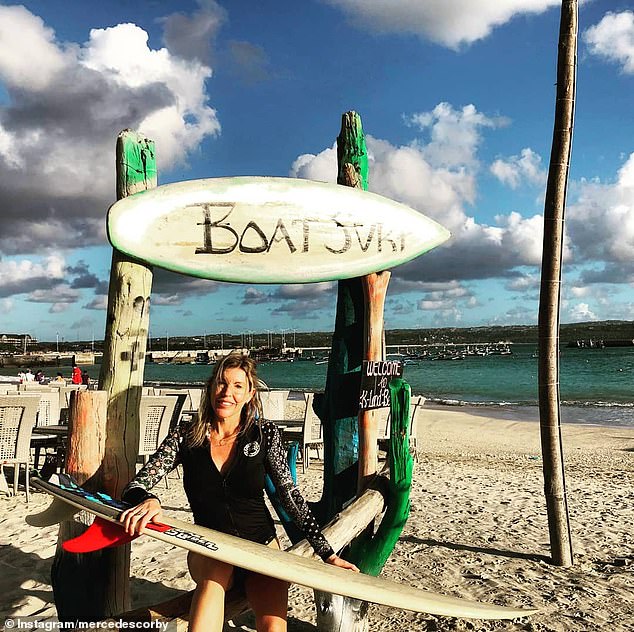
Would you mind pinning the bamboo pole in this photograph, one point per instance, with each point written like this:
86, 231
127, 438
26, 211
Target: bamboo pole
550, 292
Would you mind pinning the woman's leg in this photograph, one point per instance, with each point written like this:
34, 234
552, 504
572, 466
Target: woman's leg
213, 579
268, 598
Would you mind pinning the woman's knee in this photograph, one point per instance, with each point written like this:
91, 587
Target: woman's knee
204, 569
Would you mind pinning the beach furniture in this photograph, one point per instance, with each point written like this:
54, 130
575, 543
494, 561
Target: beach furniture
17, 418
309, 435
48, 413
183, 402
415, 411
155, 416
274, 405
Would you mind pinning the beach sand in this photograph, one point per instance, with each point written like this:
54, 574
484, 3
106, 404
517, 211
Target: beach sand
477, 530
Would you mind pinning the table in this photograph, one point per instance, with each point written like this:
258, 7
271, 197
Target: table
56, 460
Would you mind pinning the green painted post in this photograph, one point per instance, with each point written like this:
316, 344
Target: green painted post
338, 407
371, 555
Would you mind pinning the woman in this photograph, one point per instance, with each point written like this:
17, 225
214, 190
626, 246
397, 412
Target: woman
225, 455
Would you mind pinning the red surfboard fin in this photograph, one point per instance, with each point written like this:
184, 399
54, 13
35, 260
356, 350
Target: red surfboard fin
99, 535
102, 534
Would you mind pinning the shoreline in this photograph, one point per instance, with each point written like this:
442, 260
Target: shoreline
477, 529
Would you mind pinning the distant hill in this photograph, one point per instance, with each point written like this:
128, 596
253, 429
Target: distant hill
601, 330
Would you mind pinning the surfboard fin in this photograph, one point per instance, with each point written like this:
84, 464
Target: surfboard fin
99, 535
56, 512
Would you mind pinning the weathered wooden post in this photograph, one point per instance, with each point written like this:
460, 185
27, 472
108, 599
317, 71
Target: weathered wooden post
127, 324
104, 425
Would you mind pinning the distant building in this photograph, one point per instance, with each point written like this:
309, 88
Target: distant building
16, 340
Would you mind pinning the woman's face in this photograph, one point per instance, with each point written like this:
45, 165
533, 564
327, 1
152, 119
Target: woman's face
232, 393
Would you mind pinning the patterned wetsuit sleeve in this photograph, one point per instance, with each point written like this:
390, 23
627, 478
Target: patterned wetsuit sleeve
291, 498
160, 464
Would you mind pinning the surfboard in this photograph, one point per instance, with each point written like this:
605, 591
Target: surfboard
269, 230
265, 560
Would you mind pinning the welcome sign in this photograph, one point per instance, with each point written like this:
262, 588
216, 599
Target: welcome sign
375, 380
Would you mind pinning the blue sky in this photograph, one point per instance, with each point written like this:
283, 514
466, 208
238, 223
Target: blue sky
457, 102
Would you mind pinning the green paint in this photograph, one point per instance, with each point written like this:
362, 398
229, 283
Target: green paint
351, 148
370, 554
139, 162
338, 407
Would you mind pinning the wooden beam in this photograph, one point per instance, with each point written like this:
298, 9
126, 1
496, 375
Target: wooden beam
374, 292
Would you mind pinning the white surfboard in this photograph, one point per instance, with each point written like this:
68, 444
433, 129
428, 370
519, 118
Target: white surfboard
281, 565
269, 230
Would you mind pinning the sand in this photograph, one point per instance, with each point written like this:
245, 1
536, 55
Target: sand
477, 530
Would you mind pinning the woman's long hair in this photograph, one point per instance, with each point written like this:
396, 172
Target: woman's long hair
251, 413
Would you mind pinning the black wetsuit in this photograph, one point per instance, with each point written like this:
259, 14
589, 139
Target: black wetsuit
232, 502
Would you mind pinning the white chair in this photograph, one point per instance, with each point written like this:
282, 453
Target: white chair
195, 395
415, 408
310, 435
48, 413
273, 405
155, 416
17, 418
183, 402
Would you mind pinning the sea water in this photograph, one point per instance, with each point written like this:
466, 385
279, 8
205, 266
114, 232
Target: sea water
596, 385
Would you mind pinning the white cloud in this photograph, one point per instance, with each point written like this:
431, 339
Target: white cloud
580, 312
438, 178
6, 305
321, 167
447, 22
29, 55
514, 170
601, 221
21, 276
65, 104
613, 39
524, 283
454, 134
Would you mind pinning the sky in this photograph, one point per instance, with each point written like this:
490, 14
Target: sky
457, 103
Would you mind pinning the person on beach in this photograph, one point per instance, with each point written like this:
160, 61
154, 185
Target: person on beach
75, 376
225, 452
58, 379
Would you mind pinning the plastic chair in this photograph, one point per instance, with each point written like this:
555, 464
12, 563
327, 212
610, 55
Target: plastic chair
310, 435
273, 404
17, 418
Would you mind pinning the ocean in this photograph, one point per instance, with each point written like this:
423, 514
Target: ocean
596, 385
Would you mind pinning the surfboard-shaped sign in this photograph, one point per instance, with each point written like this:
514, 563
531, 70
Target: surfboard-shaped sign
252, 556
269, 230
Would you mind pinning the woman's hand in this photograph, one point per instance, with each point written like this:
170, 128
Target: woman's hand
136, 518
335, 560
